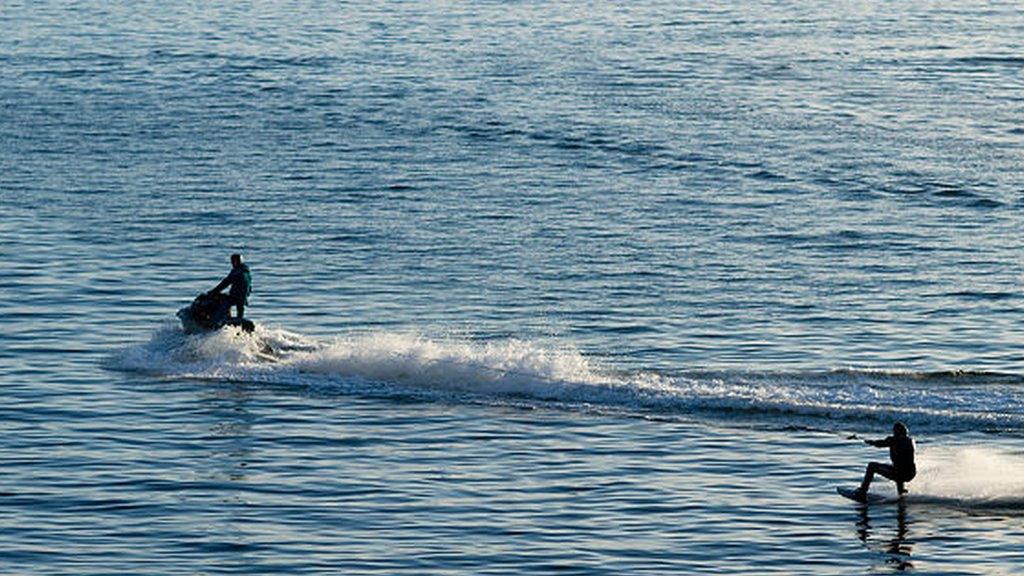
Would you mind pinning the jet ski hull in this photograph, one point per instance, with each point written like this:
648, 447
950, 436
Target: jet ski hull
210, 312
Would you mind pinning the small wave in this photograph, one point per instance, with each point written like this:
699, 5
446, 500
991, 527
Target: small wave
991, 61
971, 377
514, 371
992, 295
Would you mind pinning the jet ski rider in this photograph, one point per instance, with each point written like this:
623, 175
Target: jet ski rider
240, 281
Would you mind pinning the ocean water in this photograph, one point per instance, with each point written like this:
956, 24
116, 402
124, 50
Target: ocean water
586, 288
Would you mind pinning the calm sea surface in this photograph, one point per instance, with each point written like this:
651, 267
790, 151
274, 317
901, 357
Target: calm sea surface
586, 288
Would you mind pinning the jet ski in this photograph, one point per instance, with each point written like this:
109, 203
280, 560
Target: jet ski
210, 312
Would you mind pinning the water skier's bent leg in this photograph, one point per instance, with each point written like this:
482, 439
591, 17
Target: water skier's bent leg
876, 468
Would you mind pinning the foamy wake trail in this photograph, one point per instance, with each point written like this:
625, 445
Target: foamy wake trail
508, 367
225, 353
413, 363
969, 476
444, 366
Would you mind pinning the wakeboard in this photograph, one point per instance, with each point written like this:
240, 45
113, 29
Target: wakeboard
869, 498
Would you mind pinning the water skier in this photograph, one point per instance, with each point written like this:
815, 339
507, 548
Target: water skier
901, 453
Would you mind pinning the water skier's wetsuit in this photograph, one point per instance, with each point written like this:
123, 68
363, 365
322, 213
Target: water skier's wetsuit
902, 469
240, 281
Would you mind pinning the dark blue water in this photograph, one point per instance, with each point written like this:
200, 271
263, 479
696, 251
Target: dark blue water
539, 287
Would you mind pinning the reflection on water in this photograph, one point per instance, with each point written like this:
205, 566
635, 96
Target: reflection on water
229, 435
896, 550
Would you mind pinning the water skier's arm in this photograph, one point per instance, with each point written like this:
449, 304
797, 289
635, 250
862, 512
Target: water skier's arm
883, 443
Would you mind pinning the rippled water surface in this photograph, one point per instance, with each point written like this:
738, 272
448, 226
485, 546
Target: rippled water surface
587, 288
